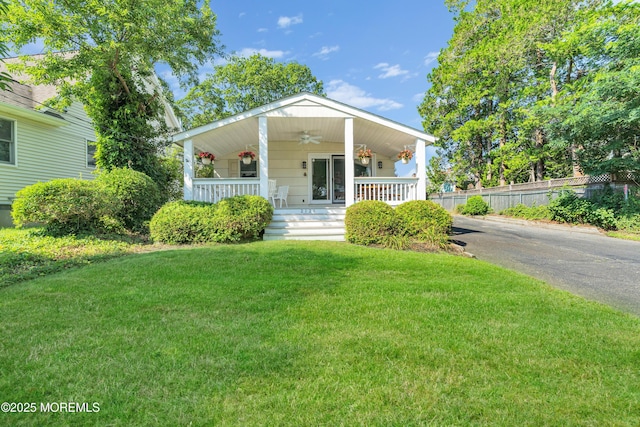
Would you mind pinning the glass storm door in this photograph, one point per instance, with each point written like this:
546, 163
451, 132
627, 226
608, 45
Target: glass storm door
338, 181
320, 188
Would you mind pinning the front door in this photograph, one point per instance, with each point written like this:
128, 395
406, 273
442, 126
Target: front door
327, 178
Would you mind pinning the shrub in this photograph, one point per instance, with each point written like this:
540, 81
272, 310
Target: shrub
369, 221
181, 222
137, 196
475, 206
245, 217
230, 220
528, 212
420, 218
66, 206
630, 223
569, 208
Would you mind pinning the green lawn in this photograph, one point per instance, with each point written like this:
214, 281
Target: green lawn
319, 333
28, 253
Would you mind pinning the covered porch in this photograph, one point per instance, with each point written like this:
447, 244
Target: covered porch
310, 145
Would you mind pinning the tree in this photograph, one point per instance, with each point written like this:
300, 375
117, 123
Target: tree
437, 174
4, 77
103, 53
491, 93
243, 84
601, 111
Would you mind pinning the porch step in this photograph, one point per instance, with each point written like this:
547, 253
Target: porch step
307, 224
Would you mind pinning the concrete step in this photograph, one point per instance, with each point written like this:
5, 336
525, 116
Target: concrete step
321, 223
307, 224
305, 231
331, 238
301, 217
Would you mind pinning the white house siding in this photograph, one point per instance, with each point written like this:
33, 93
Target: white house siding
44, 152
285, 165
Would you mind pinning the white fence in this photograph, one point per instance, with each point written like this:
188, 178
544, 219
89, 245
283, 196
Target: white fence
215, 189
390, 190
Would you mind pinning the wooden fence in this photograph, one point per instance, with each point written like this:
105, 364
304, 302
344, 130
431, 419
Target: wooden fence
529, 194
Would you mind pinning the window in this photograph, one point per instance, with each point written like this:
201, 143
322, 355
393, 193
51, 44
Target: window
91, 154
7, 141
250, 170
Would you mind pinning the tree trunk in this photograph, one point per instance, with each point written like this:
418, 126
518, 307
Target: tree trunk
540, 138
503, 143
577, 172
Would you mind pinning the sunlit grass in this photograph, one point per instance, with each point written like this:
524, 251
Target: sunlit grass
317, 333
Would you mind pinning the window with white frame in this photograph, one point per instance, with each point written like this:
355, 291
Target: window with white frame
91, 154
7, 141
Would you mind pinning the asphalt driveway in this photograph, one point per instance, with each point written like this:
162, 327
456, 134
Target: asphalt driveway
581, 261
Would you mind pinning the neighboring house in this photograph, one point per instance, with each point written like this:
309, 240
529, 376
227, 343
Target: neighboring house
40, 144
309, 144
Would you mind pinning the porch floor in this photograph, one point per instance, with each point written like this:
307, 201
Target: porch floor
308, 222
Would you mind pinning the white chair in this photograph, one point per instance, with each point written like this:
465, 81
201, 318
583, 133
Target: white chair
272, 191
281, 195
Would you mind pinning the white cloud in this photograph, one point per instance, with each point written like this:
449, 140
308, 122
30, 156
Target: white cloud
275, 54
353, 95
431, 56
390, 70
241, 14
325, 51
287, 21
263, 30
418, 97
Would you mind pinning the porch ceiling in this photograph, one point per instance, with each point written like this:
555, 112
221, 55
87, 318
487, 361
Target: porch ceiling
237, 136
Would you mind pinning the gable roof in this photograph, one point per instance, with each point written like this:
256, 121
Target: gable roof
289, 117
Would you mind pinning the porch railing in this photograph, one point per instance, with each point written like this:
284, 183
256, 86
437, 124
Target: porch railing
390, 190
215, 189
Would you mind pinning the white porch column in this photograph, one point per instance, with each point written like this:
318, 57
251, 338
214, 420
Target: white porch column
188, 169
264, 156
421, 169
349, 169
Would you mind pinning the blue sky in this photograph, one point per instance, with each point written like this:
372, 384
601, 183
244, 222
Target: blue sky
373, 55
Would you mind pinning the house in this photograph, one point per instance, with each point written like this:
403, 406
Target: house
309, 144
41, 144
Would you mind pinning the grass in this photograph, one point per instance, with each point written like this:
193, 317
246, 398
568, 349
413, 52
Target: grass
624, 234
318, 333
28, 253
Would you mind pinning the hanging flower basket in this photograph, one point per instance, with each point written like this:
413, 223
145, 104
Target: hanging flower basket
364, 156
206, 157
247, 156
405, 156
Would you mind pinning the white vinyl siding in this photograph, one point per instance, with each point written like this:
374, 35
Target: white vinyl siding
44, 152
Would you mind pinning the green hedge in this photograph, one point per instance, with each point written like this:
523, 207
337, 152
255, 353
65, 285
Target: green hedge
570, 208
114, 202
137, 196
66, 206
421, 218
230, 220
475, 206
369, 221
375, 222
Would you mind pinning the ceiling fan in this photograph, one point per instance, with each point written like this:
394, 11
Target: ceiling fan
305, 138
